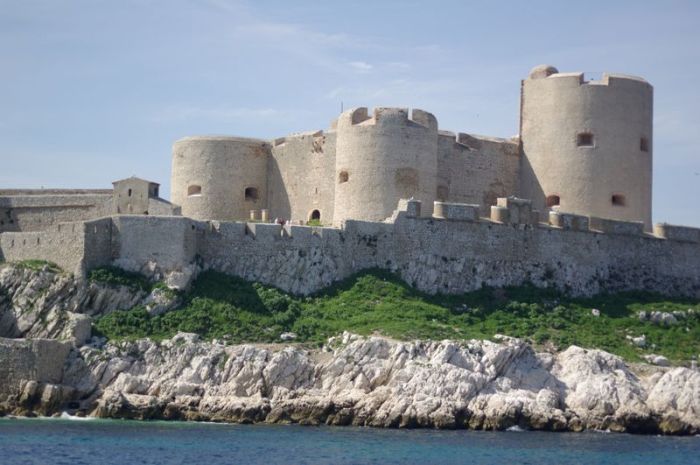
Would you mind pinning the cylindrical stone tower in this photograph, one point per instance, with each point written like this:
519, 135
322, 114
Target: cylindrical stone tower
384, 158
587, 145
219, 178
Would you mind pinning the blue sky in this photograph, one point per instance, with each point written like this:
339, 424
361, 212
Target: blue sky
96, 90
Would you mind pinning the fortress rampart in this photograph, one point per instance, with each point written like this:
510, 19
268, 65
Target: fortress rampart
455, 253
35, 210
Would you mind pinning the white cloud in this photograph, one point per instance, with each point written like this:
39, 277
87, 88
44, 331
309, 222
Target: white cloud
360, 66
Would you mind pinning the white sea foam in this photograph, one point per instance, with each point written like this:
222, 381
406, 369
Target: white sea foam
66, 416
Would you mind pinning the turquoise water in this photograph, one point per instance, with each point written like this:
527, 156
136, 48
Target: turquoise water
74, 442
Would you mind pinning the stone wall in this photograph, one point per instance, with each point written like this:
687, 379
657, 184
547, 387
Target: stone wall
138, 242
39, 360
62, 244
37, 211
476, 169
301, 177
452, 255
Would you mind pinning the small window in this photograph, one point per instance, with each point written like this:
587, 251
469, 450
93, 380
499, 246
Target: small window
129, 192
644, 144
553, 201
619, 200
343, 176
194, 191
584, 139
251, 194
443, 193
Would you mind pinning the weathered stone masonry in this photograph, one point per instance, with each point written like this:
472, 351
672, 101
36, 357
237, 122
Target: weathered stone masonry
433, 254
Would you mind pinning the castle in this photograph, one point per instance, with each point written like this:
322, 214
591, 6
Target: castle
585, 147
567, 202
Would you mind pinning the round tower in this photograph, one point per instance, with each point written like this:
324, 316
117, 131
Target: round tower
587, 145
381, 159
219, 178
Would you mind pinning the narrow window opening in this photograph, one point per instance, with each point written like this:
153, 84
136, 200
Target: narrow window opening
343, 176
619, 200
584, 139
443, 193
251, 194
553, 201
194, 191
129, 192
644, 144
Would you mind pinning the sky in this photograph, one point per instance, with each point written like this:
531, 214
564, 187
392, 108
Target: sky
97, 90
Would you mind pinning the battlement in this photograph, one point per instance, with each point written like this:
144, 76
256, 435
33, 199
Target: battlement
297, 136
40, 192
220, 138
576, 79
387, 116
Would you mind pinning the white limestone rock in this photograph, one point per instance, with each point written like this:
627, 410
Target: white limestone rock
374, 381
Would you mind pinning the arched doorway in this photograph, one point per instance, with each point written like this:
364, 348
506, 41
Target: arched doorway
315, 217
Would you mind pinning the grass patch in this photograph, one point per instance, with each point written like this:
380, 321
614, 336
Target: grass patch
38, 265
114, 276
229, 308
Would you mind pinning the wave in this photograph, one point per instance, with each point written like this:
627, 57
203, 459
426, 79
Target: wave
67, 416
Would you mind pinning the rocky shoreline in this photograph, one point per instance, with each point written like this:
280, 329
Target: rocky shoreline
50, 364
353, 381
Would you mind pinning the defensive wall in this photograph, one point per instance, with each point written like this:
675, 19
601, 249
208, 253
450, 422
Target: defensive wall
358, 169
23, 210
34, 210
454, 252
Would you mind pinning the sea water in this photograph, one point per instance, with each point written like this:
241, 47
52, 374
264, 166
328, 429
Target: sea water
71, 442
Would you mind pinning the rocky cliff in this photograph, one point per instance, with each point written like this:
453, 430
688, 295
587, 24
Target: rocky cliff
355, 381
46, 368
47, 304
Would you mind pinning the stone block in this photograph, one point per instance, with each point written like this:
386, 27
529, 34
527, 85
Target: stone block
499, 214
264, 231
568, 221
456, 211
677, 233
608, 226
411, 206
519, 210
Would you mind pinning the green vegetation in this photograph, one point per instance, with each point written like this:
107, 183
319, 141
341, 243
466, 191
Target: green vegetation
114, 276
314, 223
378, 302
38, 265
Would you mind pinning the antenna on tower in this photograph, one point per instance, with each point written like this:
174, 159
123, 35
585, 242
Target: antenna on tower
341, 106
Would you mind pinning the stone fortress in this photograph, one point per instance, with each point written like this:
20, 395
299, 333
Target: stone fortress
566, 203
